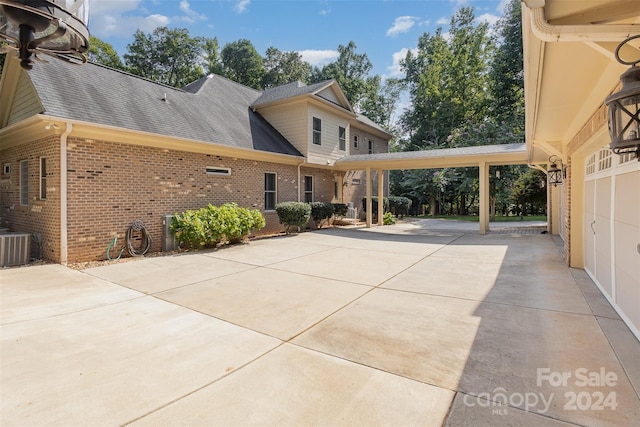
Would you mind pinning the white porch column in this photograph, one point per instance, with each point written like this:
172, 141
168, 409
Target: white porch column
484, 197
369, 204
380, 196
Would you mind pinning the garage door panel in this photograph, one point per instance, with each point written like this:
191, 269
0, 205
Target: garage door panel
627, 203
589, 195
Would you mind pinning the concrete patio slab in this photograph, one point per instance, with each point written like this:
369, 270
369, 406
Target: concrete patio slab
351, 265
158, 274
277, 390
472, 411
466, 346
109, 365
277, 303
507, 320
50, 290
263, 252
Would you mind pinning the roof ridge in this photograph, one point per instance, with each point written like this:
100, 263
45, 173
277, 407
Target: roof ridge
211, 75
127, 73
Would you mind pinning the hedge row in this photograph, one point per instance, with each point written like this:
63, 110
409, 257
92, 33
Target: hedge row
397, 205
298, 214
212, 225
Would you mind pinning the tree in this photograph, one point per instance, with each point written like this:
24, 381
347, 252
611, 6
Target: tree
103, 53
284, 67
350, 70
168, 56
380, 100
211, 54
243, 64
507, 70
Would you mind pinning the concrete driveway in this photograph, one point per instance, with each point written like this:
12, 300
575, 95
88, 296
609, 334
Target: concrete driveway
399, 325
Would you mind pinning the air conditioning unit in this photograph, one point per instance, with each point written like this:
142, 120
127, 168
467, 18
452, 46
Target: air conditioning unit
15, 249
168, 238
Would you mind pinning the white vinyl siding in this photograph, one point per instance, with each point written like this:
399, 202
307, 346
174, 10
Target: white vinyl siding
329, 151
291, 122
25, 103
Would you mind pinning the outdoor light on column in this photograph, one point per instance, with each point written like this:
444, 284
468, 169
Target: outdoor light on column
624, 108
554, 173
55, 27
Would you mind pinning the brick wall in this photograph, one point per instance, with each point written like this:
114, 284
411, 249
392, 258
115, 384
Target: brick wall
111, 184
39, 216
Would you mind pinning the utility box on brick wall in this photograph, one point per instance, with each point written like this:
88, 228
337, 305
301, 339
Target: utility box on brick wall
15, 249
168, 238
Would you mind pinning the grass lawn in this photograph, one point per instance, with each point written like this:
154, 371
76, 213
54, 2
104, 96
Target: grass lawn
474, 218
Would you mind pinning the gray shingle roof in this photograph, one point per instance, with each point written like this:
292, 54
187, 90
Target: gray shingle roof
289, 90
212, 109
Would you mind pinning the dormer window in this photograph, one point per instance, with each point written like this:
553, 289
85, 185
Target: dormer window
317, 131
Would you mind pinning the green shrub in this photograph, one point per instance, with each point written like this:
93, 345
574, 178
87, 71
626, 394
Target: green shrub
399, 205
321, 212
212, 225
388, 219
293, 214
340, 209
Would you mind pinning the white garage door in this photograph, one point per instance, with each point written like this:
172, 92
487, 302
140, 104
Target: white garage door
612, 231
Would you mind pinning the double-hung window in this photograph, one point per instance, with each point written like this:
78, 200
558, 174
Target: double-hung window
269, 191
43, 178
317, 131
24, 182
308, 189
355, 141
342, 137
370, 147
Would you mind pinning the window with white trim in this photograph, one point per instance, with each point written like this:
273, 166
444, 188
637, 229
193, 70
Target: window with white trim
370, 147
604, 159
627, 157
342, 138
308, 189
317, 131
591, 164
355, 141
43, 178
270, 199
24, 183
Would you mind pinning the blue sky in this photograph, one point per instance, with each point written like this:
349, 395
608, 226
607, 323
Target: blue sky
383, 29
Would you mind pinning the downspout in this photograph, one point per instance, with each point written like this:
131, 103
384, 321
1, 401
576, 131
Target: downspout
63, 194
547, 32
299, 166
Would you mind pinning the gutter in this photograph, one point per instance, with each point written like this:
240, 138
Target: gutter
547, 32
63, 194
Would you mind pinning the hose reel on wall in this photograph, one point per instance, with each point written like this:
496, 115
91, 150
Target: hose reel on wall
137, 226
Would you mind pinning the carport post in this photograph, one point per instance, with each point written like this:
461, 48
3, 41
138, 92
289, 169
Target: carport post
380, 196
484, 197
369, 204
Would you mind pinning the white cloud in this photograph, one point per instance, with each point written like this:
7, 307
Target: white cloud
394, 70
459, 3
488, 18
191, 15
121, 18
242, 5
325, 12
502, 6
402, 24
443, 21
318, 57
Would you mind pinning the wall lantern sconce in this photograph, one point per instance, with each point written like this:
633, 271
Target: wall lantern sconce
554, 173
52, 27
624, 108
